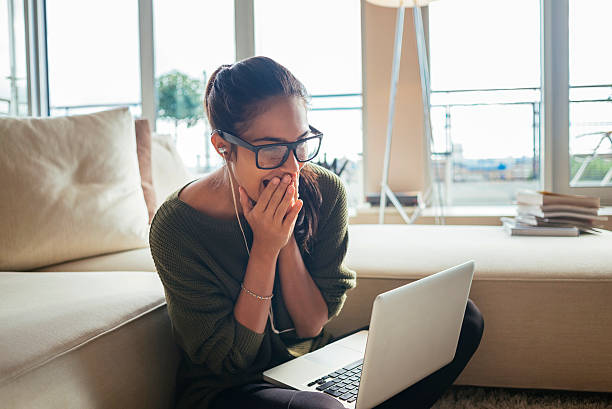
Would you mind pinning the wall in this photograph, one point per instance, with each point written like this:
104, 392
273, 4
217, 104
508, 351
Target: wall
406, 171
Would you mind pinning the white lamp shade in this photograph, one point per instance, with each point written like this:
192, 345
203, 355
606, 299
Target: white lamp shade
400, 3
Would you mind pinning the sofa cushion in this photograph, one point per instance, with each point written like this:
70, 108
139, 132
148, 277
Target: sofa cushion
45, 315
545, 300
415, 251
130, 260
169, 172
143, 148
133, 367
71, 189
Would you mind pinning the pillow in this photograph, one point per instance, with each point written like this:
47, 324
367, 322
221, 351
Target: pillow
169, 171
71, 189
143, 148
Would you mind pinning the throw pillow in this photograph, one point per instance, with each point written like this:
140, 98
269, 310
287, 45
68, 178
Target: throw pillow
169, 171
71, 188
143, 148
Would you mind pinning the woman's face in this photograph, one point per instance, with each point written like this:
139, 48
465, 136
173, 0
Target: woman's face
284, 121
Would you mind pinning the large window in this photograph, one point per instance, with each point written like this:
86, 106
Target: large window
13, 74
590, 78
192, 39
489, 103
485, 80
93, 55
319, 41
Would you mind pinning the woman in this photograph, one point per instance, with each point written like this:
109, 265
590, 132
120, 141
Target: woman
251, 256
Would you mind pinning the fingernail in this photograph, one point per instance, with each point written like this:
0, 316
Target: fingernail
286, 179
275, 180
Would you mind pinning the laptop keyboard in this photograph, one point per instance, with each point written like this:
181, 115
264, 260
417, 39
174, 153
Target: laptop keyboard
342, 383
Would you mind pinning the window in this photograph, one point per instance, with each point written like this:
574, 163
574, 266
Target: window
590, 94
93, 56
192, 39
13, 74
319, 41
489, 103
485, 80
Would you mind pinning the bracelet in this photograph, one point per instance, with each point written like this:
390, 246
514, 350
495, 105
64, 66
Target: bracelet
259, 297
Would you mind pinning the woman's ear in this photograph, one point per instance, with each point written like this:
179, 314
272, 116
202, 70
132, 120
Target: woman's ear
219, 144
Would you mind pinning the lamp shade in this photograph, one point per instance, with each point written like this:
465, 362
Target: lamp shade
400, 3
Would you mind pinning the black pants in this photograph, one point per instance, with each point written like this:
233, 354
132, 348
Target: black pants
422, 394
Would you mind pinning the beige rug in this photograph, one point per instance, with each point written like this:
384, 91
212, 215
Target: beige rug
471, 397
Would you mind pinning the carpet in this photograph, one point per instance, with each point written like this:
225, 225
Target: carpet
472, 397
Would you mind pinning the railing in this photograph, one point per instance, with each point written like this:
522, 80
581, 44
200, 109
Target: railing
535, 117
8, 102
337, 108
68, 108
534, 102
504, 97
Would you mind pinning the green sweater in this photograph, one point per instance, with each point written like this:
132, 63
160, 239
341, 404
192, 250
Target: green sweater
202, 260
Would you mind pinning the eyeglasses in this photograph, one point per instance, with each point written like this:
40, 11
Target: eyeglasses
274, 155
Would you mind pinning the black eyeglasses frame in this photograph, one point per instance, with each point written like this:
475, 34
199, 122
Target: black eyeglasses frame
290, 145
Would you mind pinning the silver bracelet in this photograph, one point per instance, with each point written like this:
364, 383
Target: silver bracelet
259, 297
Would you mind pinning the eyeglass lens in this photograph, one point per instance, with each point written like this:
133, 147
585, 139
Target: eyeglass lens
273, 156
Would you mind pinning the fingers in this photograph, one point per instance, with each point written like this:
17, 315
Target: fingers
278, 195
284, 205
296, 196
293, 214
244, 200
264, 197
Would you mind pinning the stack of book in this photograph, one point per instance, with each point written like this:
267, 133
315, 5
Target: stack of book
553, 214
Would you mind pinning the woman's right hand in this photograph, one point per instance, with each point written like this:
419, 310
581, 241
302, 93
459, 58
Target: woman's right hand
273, 217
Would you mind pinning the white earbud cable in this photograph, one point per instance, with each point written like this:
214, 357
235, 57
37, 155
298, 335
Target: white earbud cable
236, 206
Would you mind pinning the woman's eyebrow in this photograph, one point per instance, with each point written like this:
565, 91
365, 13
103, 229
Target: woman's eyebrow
269, 138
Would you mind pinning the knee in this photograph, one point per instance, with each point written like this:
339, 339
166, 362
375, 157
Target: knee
309, 400
473, 326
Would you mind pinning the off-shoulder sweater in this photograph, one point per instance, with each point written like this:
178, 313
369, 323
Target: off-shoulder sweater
202, 260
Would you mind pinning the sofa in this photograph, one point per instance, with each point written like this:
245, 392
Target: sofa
93, 332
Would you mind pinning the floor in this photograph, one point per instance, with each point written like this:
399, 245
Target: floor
471, 397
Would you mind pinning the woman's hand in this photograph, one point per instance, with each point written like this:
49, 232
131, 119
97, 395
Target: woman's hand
273, 217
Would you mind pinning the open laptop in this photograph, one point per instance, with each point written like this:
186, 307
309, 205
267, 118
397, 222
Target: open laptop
414, 330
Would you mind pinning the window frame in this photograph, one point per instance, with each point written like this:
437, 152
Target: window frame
554, 37
556, 103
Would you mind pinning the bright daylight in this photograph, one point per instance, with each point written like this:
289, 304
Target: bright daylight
232, 204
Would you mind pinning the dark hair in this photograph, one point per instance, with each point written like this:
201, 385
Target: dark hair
236, 94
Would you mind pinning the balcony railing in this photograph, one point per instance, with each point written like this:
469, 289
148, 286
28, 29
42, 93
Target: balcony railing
5, 102
68, 109
456, 169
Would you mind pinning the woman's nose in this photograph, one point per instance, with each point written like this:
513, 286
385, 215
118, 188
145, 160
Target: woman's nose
291, 165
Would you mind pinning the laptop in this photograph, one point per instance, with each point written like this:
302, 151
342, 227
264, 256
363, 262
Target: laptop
413, 332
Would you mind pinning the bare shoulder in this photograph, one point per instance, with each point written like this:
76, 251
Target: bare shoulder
193, 192
203, 195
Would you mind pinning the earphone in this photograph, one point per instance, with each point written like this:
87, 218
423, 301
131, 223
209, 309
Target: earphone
222, 150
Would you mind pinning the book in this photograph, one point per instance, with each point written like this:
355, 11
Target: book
523, 208
559, 222
517, 229
567, 215
543, 198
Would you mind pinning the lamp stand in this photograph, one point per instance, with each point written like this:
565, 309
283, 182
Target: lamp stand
385, 191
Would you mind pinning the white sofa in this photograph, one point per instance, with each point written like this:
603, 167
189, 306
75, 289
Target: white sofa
94, 333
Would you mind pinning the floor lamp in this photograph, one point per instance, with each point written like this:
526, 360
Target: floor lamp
385, 191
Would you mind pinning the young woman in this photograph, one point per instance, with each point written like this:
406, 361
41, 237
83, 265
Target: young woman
251, 255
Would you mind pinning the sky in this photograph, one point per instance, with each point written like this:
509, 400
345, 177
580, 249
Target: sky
94, 58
